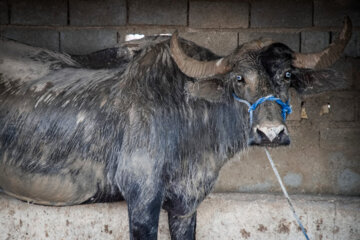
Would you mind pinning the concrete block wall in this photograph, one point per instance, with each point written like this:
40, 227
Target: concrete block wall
324, 157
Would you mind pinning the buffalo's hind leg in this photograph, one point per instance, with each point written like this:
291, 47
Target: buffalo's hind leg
182, 227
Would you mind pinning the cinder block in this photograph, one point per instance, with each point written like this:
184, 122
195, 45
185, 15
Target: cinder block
4, 18
221, 43
85, 41
343, 166
219, 14
348, 180
331, 13
304, 136
281, 13
342, 109
339, 138
48, 39
158, 12
358, 109
314, 41
292, 40
314, 109
39, 12
356, 73
97, 13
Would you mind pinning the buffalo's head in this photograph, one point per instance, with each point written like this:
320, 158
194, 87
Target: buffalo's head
261, 68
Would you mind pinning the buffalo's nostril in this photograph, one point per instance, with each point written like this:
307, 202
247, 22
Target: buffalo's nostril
281, 133
262, 135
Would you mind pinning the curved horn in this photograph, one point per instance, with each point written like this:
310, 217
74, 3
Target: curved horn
194, 68
329, 55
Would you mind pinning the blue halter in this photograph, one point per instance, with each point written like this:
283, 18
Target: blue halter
285, 106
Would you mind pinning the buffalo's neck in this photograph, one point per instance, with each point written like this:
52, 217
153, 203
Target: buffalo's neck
205, 136
199, 133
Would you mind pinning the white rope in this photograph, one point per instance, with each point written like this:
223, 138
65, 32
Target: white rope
286, 194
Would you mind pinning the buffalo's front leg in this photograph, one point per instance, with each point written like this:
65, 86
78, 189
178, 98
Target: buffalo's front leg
144, 217
139, 180
182, 227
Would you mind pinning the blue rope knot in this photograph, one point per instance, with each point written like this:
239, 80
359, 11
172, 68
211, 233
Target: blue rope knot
285, 106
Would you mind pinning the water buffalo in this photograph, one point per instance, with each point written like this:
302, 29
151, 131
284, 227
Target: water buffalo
151, 124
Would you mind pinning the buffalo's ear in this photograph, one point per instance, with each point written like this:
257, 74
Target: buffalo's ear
308, 81
211, 90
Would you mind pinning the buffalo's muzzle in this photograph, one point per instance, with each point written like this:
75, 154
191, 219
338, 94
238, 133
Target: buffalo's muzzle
269, 135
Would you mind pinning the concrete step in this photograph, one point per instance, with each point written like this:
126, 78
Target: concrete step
220, 216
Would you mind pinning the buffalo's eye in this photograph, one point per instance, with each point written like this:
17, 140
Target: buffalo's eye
239, 79
287, 75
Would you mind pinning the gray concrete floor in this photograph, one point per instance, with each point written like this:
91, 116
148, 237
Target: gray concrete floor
220, 216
